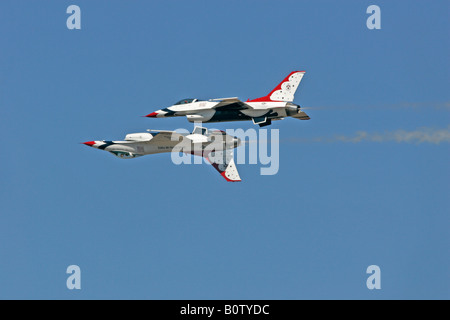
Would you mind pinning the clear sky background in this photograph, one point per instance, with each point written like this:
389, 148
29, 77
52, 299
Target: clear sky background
148, 229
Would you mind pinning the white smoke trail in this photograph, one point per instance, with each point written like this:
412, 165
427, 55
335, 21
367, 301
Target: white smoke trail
418, 136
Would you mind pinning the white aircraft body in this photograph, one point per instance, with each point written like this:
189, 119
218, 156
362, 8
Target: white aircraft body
216, 146
277, 105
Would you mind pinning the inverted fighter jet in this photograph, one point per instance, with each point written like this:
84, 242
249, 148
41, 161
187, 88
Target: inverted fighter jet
216, 146
277, 105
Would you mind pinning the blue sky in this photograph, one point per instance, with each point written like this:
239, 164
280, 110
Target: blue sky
148, 229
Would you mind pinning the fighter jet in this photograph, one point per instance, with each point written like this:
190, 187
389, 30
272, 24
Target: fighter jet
216, 146
277, 105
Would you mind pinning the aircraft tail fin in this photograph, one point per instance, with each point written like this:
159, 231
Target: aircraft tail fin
285, 91
223, 162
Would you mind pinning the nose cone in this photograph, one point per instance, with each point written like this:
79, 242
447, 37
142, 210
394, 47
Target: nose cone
152, 115
89, 143
237, 142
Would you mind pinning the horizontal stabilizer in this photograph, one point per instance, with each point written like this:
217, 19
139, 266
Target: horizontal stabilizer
301, 116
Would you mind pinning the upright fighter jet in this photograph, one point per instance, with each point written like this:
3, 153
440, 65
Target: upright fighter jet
216, 146
277, 105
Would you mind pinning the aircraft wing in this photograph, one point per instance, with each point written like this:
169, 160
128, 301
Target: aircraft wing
165, 137
230, 104
223, 162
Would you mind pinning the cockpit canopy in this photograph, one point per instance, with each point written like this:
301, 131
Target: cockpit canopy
185, 101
